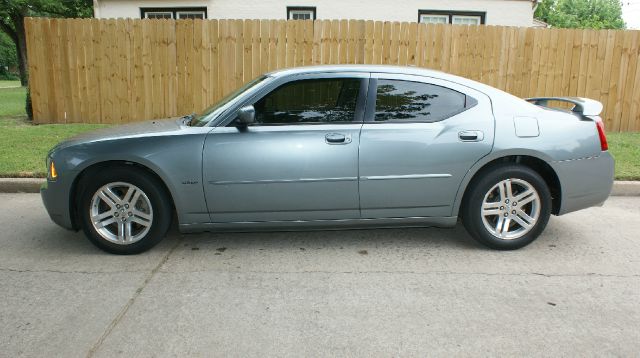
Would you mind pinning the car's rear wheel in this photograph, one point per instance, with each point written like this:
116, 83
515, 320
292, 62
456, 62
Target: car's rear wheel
124, 210
507, 208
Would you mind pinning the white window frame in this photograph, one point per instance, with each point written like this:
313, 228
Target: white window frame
302, 10
146, 14
479, 17
180, 13
466, 17
434, 16
174, 12
293, 13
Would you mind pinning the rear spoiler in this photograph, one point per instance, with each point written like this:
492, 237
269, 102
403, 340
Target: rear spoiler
584, 106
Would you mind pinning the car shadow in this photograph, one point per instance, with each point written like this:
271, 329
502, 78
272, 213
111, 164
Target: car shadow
424, 238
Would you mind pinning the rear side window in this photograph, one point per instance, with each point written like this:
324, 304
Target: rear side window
327, 100
398, 100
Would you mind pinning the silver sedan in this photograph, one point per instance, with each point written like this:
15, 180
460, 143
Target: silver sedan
337, 147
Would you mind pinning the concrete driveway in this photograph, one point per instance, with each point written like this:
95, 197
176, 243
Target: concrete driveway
404, 292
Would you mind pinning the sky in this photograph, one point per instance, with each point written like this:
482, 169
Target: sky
631, 13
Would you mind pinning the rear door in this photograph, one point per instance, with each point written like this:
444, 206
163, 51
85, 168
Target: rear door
420, 137
300, 159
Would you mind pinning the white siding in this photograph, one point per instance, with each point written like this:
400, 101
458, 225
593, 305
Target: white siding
131, 8
498, 12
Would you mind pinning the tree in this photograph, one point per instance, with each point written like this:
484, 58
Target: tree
13, 12
8, 57
582, 14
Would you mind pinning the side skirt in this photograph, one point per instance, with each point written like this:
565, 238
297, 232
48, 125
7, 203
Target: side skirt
302, 225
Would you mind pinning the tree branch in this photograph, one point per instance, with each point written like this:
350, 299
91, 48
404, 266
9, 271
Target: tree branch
9, 31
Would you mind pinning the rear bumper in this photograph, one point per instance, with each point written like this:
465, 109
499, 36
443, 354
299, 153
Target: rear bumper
55, 196
585, 182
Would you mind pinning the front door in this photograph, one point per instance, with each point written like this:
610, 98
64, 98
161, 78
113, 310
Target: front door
298, 162
420, 137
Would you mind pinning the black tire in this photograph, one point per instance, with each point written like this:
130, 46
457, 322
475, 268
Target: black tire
149, 185
471, 210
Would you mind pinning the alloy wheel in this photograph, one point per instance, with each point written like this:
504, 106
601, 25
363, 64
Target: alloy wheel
121, 213
510, 209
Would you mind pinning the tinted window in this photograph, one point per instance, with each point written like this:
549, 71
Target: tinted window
416, 101
310, 101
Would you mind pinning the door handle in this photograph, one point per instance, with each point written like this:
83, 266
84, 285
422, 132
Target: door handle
471, 136
337, 138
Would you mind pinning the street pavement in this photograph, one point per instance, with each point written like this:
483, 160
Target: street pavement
393, 292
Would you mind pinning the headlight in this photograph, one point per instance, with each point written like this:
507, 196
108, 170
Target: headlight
52, 174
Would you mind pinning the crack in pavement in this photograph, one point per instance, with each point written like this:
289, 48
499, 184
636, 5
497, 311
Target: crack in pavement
440, 273
5, 269
130, 302
156, 269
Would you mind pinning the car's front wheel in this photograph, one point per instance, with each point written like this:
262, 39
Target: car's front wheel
507, 207
124, 210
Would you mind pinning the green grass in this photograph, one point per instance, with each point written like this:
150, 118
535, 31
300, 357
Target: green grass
6, 84
625, 148
24, 146
12, 100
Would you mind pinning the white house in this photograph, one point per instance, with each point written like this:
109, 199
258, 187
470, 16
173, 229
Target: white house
471, 12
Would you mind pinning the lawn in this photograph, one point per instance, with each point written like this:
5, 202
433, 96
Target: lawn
7, 84
625, 148
12, 99
24, 146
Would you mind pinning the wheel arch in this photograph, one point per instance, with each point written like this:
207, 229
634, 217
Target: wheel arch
531, 160
76, 188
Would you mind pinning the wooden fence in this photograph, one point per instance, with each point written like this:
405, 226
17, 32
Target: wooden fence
117, 71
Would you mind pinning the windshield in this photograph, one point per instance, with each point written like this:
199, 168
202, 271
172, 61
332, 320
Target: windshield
205, 117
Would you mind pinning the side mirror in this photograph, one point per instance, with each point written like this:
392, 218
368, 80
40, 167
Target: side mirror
246, 116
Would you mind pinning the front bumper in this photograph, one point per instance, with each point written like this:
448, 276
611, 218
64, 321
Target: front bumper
56, 198
585, 182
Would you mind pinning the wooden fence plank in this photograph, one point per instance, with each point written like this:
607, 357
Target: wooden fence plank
37, 69
261, 36
628, 94
248, 55
308, 42
378, 41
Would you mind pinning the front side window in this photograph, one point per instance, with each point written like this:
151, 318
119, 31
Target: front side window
398, 100
327, 100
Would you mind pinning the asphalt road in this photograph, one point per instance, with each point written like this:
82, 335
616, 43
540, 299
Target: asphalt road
400, 292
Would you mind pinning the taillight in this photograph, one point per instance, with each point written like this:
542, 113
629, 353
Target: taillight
603, 138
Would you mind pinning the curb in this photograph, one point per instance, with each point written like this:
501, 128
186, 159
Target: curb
32, 185
21, 185
625, 188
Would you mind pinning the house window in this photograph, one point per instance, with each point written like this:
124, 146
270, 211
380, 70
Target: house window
434, 19
158, 15
301, 13
451, 17
173, 13
190, 14
465, 20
